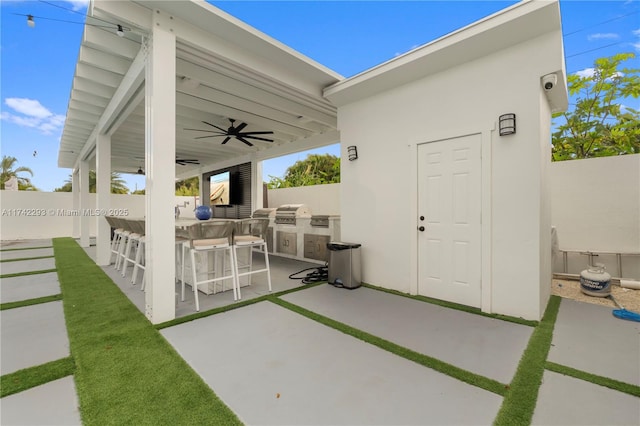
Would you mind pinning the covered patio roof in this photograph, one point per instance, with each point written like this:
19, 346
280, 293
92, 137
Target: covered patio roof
225, 70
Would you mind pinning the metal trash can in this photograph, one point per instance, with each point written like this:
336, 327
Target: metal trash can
344, 264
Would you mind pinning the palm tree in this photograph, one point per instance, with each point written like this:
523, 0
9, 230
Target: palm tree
8, 172
118, 185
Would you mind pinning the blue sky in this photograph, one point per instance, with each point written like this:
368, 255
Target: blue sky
37, 64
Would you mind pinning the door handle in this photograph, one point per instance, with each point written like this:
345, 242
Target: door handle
421, 228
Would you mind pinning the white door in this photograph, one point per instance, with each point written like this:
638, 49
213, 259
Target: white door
449, 208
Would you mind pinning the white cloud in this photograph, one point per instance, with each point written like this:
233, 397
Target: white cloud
29, 107
603, 36
636, 32
587, 72
78, 4
32, 114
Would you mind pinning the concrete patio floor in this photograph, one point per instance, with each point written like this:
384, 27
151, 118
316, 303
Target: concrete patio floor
271, 365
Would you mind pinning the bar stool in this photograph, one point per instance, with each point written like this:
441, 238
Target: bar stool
117, 232
139, 260
122, 241
133, 242
250, 233
204, 238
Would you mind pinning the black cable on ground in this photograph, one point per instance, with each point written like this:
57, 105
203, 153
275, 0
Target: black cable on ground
321, 273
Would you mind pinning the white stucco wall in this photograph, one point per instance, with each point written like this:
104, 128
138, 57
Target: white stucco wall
32, 215
378, 191
596, 207
321, 199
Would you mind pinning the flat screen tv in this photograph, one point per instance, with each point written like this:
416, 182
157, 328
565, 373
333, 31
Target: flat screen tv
220, 188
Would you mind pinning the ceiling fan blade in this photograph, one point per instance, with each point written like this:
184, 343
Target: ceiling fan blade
198, 130
256, 137
210, 136
226, 140
213, 125
240, 127
256, 133
241, 139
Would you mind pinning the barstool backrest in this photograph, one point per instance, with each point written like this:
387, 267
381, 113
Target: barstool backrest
255, 227
211, 230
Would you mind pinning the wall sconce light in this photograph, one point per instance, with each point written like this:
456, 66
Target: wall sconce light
352, 152
507, 124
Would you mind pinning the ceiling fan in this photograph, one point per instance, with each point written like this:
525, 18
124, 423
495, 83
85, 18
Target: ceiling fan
233, 132
179, 161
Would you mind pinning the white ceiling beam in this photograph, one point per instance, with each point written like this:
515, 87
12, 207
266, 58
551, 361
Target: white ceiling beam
92, 73
243, 90
128, 87
316, 141
90, 108
109, 42
91, 87
103, 60
89, 99
204, 105
129, 13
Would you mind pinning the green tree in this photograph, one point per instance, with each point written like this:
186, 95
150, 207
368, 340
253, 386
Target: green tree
316, 169
7, 171
598, 125
189, 186
118, 185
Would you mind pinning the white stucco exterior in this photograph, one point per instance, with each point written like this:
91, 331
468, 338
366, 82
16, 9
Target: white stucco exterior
379, 190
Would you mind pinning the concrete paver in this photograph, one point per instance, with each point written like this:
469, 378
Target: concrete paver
21, 266
28, 287
19, 254
20, 244
564, 401
32, 335
273, 366
54, 403
486, 346
589, 338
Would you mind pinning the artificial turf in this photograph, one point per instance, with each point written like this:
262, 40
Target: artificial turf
520, 401
594, 378
28, 378
126, 372
29, 302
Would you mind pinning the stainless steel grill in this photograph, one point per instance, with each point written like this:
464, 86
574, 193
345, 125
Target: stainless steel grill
320, 221
288, 213
265, 213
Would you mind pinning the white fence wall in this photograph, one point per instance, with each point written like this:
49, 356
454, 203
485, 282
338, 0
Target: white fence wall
596, 207
31, 215
321, 199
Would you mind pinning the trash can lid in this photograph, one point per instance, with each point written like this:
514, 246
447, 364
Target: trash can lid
338, 245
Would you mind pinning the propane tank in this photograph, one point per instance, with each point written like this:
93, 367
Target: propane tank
594, 281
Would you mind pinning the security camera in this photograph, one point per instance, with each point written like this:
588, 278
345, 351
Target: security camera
549, 81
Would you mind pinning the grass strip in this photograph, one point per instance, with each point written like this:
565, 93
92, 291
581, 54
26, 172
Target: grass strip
455, 306
424, 360
236, 305
25, 258
594, 378
520, 401
126, 372
29, 302
26, 248
28, 378
22, 274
